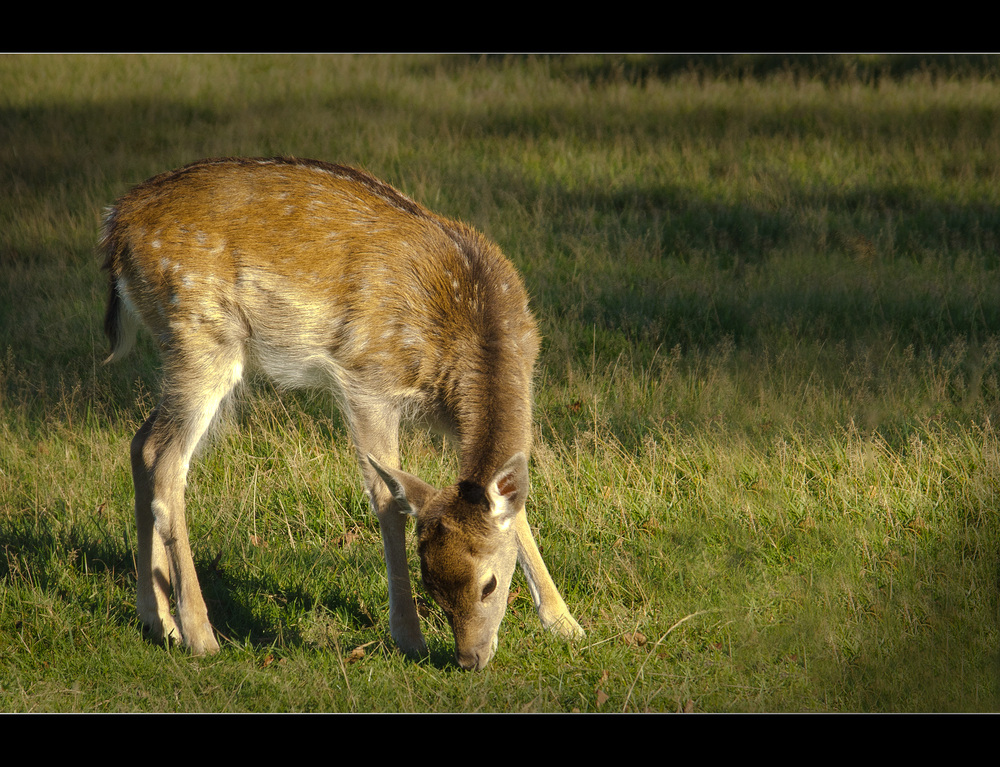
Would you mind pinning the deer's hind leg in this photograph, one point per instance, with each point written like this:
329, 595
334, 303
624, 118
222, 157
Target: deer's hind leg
161, 452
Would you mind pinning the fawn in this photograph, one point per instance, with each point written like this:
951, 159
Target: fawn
320, 275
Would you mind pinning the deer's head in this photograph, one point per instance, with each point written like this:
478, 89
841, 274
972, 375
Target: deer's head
468, 549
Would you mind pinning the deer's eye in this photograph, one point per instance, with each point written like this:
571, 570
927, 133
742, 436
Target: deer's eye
490, 586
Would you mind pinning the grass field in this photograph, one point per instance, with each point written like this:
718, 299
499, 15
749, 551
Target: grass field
766, 470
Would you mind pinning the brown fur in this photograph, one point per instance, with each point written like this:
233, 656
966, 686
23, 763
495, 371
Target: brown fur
320, 275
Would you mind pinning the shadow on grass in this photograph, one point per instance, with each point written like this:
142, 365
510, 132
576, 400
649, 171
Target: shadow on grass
89, 571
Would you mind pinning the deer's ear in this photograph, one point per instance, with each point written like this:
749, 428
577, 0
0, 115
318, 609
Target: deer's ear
410, 492
508, 490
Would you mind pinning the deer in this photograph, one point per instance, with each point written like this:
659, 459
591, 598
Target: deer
321, 276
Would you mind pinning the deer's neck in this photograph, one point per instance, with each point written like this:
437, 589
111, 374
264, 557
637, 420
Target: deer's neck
494, 418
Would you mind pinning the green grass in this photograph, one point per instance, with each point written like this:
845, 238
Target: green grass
767, 466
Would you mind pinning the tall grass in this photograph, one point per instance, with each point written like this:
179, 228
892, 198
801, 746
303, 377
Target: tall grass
766, 468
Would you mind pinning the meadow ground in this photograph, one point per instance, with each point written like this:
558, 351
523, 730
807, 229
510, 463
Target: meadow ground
766, 466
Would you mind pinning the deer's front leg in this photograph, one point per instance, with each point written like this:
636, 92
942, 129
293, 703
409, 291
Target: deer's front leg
552, 610
375, 429
404, 624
